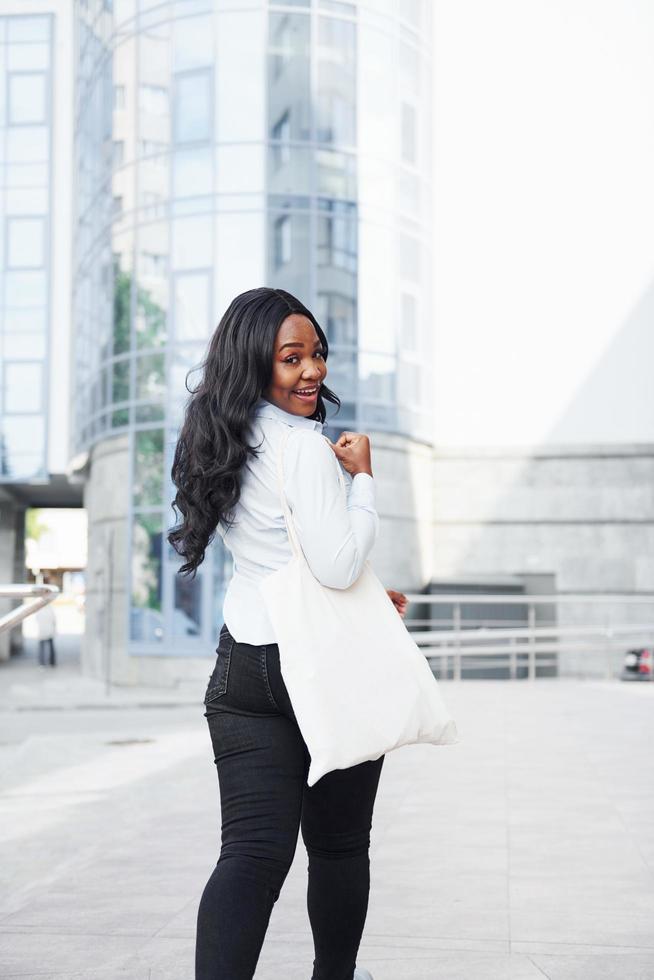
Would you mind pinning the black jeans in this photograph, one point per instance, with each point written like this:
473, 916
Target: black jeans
262, 763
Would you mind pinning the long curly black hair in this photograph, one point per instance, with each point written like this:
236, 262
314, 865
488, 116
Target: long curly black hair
212, 448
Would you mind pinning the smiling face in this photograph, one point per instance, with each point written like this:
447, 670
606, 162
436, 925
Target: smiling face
298, 363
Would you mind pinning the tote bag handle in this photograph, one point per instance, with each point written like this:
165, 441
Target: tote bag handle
288, 517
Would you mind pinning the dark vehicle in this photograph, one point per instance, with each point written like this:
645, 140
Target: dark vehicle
638, 665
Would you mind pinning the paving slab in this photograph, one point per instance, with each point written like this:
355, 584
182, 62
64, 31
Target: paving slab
524, 852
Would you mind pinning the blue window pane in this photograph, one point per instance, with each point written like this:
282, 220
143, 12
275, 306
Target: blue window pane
337, 314
410, 254
192, 172
377, 373
27, 174
25, 322
336, 81
26, 57
187, 610
192, 107
222, 568
281, 133
282, 241
23, 387
33, 200
192, 305
27, 144
22, 434
23, 467
192, 242
25, 289
21, 29
124, 10
148, 467
408, 323
27, 98
192, 43
25, 243
146, 620
150, 377
408, 133
24, 347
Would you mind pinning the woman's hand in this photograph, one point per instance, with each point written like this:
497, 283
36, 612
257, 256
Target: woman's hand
352, 449
399, 600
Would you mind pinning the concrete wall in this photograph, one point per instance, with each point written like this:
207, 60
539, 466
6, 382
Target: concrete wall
584, 516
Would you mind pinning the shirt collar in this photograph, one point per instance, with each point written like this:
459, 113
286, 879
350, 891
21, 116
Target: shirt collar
266, 409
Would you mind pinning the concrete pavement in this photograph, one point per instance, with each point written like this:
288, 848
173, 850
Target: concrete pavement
25, 685
524, 852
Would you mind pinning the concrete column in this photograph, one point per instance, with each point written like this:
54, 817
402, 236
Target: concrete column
12, 568
106, 499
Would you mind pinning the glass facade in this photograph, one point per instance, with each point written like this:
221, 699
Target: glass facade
223, 145
25, 154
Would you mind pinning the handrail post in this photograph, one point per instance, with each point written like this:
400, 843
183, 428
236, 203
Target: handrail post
608, 633
457, 641
531, 613
109, 608
513, 660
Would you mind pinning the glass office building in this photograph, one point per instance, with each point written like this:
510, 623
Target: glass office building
25, 187
222, 145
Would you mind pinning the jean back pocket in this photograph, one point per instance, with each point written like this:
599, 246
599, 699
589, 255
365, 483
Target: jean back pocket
219, 677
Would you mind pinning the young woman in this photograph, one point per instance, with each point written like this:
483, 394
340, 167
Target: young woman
264, 371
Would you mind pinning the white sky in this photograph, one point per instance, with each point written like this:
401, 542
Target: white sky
544, 218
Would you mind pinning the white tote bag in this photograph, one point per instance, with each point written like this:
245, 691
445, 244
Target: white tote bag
361, 687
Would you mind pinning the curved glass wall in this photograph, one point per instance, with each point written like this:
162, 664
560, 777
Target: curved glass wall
223, 145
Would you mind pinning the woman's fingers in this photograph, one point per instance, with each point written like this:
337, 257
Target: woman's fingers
398, 599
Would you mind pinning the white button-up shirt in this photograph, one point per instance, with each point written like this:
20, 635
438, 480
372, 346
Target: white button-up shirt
336, 536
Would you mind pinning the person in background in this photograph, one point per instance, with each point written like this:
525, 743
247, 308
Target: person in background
46, 627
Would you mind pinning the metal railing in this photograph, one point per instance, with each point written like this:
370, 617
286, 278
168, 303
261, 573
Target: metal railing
465, 644
43, 594
474, 645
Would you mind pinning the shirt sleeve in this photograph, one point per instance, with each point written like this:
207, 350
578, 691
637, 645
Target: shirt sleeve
336, 532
